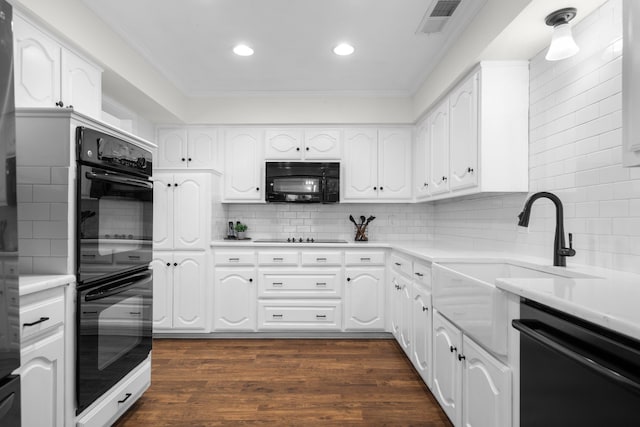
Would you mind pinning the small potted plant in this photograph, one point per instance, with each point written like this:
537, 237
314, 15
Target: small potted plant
240, 230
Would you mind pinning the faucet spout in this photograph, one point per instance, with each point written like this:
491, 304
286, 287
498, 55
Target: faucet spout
559, 251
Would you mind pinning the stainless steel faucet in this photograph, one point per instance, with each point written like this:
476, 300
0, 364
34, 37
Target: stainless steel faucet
559, 251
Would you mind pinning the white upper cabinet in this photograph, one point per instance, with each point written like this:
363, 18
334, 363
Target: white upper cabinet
244, 171
322, 144
300, 144
48, 75
421, 166
479, 133
283, 144
438, 130
377, 164
181, 210
193, 148
463, 134
630, 83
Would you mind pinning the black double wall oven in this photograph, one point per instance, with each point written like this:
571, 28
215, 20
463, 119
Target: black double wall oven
114, 248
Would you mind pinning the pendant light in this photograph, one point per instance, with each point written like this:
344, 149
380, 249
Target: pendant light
562, 44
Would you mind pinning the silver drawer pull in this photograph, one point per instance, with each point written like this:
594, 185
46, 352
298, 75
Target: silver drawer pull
321, 259
234, 259
277, 316
365, 259
321, 316
278, 259
134, 256
419, 274
321, 284
398, 264
277, 284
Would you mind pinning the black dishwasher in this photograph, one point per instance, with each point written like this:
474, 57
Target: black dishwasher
575, 373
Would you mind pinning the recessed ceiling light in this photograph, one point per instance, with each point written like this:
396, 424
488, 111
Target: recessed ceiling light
243, 50
343, 49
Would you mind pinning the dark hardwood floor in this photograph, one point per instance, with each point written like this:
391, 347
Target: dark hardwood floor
272, 382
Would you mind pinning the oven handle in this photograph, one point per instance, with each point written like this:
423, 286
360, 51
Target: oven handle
107, 291
550, 340
118, 180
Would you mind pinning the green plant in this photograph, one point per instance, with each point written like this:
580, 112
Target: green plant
240, 227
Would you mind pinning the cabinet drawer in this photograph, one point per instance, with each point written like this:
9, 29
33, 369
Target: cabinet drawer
324, 284
422, 274
322, 258
401, 265
119, 399
41, 312
300, 315
234, 258
278, 258
364, 258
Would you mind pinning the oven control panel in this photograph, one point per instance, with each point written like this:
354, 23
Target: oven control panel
106, 150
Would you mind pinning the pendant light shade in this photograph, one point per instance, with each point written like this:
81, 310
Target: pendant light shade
562, 44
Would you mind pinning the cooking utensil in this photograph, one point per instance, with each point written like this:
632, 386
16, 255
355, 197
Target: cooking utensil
362, 219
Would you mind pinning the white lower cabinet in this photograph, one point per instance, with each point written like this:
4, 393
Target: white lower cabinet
473, 387
364, 299
401, 311
42, 382
179, 291
42, 358
235, 299
421, 332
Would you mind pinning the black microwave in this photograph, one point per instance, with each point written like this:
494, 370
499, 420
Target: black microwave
302, 182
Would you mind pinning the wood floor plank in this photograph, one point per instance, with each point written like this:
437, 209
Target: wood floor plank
283, 383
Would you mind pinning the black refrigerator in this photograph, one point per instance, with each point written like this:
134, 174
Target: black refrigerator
9, 299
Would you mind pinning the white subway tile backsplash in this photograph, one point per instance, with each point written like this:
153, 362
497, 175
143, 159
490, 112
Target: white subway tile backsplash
50, 193
50, 229
33, 175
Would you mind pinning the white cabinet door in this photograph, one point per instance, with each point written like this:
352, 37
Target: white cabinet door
81, 84
364, 299
283, 144
42, 382
422, 327
243, 178
163, 210
463, 134
322, 144
172, 148
438, 123
162, 266
395, 307
235, 300
37, 66
181, 209
447, 370
394, 163
204, 150
404, 337
421, 163
190, 211
189, 296
361, 161
487, 388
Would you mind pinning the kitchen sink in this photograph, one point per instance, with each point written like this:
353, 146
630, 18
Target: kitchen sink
489, 272
466, 294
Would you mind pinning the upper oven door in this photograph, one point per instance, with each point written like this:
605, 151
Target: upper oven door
114, 223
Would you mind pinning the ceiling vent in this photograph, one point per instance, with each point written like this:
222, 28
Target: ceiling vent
437, 16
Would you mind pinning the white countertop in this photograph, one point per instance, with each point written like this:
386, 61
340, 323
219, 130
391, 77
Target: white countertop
30, 283
611, 299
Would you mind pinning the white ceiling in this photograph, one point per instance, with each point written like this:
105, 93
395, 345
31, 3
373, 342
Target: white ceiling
190, 43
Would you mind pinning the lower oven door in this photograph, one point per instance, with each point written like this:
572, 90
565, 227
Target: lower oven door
113, 333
